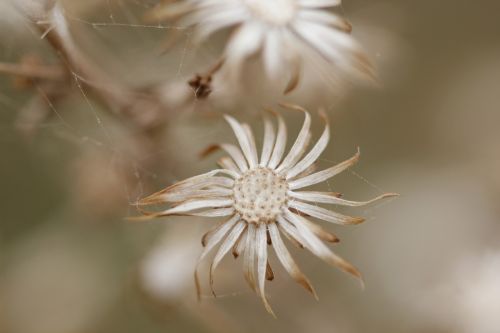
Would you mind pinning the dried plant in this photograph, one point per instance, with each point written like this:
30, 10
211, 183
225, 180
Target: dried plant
281, 31
261, 198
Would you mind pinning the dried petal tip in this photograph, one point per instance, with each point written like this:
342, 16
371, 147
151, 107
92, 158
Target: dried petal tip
357, 220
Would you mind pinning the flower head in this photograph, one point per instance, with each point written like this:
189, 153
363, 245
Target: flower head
262, 199
282, 31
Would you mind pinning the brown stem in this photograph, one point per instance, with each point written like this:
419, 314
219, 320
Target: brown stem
32, 71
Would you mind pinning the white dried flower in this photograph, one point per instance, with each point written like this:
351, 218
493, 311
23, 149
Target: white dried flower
283, 31
262, 198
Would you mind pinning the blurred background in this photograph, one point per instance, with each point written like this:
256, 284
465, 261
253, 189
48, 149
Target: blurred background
76, 151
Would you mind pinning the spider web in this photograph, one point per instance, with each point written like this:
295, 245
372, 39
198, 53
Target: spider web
107, 139
104, 138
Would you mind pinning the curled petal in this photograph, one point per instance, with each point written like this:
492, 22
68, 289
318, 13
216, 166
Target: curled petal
243, 140
249, 257
226, 245
300, 144
216, 237
268, 145
312, 168
183, 189
290, 232
192, 206
323, 175
313, 155
325, 214
323, 234
287, 261
251, 140
319, 249
279, 147
240, 244
261, 248
332, 198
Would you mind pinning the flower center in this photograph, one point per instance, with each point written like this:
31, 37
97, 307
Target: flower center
259, 195
277, 12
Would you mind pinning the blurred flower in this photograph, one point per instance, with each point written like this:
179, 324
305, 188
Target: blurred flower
281, 30
260, 199
468, 299
157, 276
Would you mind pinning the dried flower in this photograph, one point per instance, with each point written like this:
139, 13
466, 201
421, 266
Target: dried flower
262, 199
281, 30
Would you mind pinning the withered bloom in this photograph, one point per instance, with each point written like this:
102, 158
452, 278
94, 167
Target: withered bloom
279, 31
262, 199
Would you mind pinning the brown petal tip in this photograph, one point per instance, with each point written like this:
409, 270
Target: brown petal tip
290, 106
357, 220
139, 218
208, 151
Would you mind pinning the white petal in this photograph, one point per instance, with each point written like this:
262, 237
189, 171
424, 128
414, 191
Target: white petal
319, 3
268, 144
227, 163
249, 257
251, 140
323, 175
217, 212
226, 245
300, 144
211, 243
185, 191
332, 198
236, 155
320, 38
324, 214
311, 169
261, 248
317, 247
212, 193
194, 205
272, 53
313, 155
290, 232
279, 147
323, 234
217, 21
212, 12
246, 41
239, 247
287, 261
243, 140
